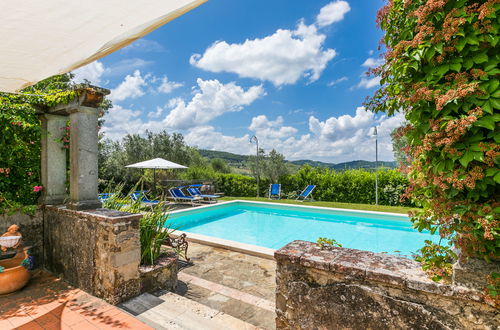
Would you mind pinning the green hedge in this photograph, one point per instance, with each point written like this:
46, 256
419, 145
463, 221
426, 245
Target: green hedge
352, 186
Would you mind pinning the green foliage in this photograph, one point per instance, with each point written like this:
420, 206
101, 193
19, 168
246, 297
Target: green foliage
437, 260
114, 156
220, 165
236, 185
399, 145
351, 186
493, 288
198, 173
153, 233
20, 139
274, 166
325, 243
153, 226
442, 69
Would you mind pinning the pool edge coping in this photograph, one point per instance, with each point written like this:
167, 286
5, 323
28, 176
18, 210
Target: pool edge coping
254, 250
292, 205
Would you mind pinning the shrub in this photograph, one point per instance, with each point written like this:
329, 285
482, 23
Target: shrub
20, 139
153, 224
352, 186
441, 69
236, 185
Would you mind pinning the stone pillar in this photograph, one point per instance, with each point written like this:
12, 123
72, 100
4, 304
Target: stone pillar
83, 158
53, 159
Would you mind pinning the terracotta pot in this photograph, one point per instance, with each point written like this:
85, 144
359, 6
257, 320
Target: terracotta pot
14, 276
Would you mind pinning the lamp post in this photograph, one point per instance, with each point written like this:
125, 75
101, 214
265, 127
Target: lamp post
252, 139
376, 166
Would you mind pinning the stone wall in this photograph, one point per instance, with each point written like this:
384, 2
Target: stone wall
31, 227
96, 250
343, 288
161, 276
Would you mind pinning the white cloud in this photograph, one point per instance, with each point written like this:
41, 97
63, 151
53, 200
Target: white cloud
334, 128
337, 139
131, 87
368, 82
91, 72
205, 137
121, 121
332, 12
270, 130
281, 58
168, 86
337, 81
210, 101
371, 62
156, 114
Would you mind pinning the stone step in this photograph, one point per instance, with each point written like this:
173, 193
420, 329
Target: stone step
172, 311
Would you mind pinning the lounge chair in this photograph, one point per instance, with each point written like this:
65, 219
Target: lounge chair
306, 193
179, 196
275, 191
141, 197
104, 196
195, 192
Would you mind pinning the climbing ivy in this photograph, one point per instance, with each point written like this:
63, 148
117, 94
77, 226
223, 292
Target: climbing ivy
441, 70
20, 140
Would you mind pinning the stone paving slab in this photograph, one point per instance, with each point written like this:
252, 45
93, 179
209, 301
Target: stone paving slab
249, 274
177, 312
235, 283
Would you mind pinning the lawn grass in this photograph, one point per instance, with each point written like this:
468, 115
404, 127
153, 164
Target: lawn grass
352, 206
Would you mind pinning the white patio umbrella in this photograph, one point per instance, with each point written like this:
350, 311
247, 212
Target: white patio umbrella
156, 163
42, 38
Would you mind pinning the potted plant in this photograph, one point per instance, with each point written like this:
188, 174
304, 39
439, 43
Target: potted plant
14, 270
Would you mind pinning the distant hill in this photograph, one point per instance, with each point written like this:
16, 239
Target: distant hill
346, 165
227, 156
235, 160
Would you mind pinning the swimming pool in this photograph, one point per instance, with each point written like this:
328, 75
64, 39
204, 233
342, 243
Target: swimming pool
271, 226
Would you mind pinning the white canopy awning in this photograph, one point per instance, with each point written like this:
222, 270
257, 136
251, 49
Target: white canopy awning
157, 163
41, 38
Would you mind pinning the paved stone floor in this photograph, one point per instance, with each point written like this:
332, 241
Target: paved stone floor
235, 283
50, 303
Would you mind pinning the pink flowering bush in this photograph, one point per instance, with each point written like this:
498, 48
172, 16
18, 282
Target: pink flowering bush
441, 69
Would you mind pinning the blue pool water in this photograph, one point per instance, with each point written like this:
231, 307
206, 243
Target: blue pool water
275, 225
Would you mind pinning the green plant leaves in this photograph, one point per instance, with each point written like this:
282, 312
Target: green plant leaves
480, 58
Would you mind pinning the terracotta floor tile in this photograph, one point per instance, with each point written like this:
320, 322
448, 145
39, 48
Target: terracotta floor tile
30, 326
18, 321
84, 325
5, 324
50, 306
47, 320
70, 317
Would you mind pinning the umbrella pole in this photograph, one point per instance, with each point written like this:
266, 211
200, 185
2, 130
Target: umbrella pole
154, 181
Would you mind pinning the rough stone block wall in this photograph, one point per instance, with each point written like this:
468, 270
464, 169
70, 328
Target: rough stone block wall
31, 227
96, 250
162, 276
343, 288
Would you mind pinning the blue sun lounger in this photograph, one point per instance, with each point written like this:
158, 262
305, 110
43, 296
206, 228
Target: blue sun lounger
306, 193
195, 192
104, 196
141, 197
179, 196
275, 191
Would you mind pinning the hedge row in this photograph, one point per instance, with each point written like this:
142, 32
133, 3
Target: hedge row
352, 186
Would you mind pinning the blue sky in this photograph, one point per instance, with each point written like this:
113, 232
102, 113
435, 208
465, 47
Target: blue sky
289, 72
